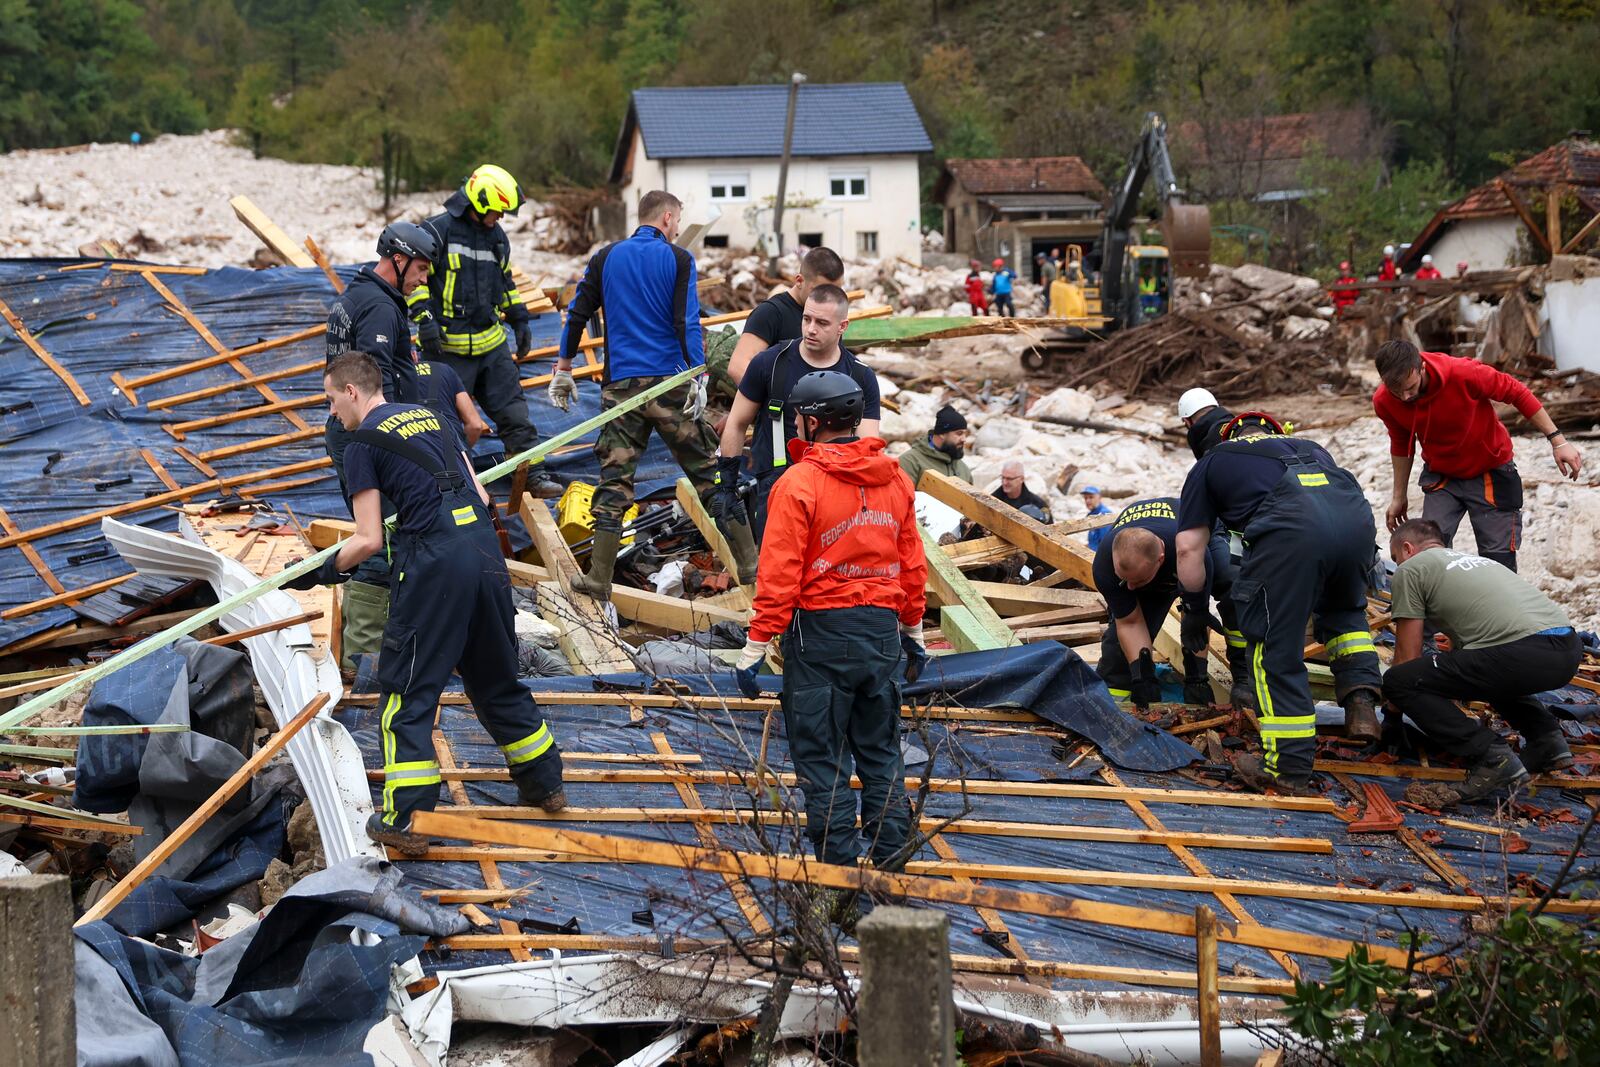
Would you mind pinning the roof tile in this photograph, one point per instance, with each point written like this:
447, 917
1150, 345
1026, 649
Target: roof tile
1043, 174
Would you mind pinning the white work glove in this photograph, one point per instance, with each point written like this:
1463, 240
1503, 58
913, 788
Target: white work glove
562, 389
754, 652
915, 650
695, 406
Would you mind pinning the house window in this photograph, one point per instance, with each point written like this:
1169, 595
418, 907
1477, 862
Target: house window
866, 242
715, 240
730, 185
811, 240
847, 185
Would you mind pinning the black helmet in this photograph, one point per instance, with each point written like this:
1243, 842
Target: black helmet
827, 395
411, 240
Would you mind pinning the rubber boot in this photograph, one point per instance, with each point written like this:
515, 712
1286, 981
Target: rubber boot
602, 561
1242, 694
743, 545
1361, 717
366, 612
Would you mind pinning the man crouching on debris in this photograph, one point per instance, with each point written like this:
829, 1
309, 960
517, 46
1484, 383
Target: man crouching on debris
1508, 642
1308, 547
449, 607
842, 575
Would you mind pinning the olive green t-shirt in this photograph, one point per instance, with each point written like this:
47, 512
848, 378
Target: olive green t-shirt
1478, 602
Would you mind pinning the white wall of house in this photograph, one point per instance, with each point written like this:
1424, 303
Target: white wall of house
860, 206
1486, 244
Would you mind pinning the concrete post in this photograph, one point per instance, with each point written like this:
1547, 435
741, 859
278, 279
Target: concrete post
906, 1013
38, 1027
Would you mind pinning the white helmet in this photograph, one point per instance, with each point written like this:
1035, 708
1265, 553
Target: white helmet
1195, 400
1388, 250
1427, 261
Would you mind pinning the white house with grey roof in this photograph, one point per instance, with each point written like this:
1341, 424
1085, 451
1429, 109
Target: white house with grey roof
852, 175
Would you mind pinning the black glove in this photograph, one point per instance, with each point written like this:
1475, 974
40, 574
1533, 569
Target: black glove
524, 331
430, 338
727, 504
1145, 690
1195, 628
916, 656
326, 573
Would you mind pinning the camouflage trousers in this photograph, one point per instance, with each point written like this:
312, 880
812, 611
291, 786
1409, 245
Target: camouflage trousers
623, 439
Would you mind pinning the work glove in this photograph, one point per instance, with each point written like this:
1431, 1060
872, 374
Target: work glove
749, 664
562, 389
326, 573
916, 650
727, 504
695, 406
524, 332
1195, 628
430, 338
1145, 689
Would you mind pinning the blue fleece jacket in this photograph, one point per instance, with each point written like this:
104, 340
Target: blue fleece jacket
647, 287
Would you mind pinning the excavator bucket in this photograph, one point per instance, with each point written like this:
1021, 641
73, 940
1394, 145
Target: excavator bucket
1187, 229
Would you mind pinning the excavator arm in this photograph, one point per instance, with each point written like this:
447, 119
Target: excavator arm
1186, 227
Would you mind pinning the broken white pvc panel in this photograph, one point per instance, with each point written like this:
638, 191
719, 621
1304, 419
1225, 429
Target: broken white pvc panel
1147, 1027
286, 668
1573, 310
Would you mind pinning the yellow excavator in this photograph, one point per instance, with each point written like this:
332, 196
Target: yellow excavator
1136, 279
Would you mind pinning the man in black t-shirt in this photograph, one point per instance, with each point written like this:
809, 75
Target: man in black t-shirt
450, 600
765, 389
1136, 570
777, 319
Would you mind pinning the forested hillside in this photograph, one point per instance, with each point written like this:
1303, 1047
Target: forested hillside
424, 90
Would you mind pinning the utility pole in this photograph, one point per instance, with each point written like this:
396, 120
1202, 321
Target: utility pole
795, 81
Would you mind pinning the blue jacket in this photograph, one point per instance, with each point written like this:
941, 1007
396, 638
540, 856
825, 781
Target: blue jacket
647, 287
1002, 280
1098, 535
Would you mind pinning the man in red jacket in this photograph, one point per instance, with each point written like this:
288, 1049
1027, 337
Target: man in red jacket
1445, 404
1342, 297
842, 579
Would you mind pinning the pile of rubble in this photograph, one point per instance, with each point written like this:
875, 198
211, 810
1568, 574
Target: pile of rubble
1240, 330
904, 286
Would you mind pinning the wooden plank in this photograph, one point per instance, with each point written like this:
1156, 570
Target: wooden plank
1192, 864
173, 841
171, 496
965, 633
157, 468
1442, 774
1208, 1010
270, 233
1524, 214
177, 399
1012, 600
264, 443
950, 785
1582, 235
587, 637
950, 587
27, 338
68, 597
693, 507
1048, 543
180, 430
486, 867
230, 357
224, 356
982, 827
322, 261
811, 872
993, 920
31, 554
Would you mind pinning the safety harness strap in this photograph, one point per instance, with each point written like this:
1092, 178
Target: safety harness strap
448, 480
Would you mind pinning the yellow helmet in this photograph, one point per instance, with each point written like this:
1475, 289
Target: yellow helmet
492, 188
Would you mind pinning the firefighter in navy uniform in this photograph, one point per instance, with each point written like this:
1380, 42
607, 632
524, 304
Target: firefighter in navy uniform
1308, 548
463, 315
450, 601
370, 316
1136, 570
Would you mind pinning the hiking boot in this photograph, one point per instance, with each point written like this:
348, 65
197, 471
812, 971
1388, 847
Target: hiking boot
1361, 717
1496, 770
1546, 753
551, 802
602, 562
399, 838
1251, 772
546, 488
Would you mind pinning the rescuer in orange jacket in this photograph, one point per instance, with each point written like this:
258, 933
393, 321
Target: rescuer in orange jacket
842, 579
1343, 297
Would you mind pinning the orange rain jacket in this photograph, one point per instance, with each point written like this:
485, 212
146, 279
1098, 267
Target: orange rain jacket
841, 533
